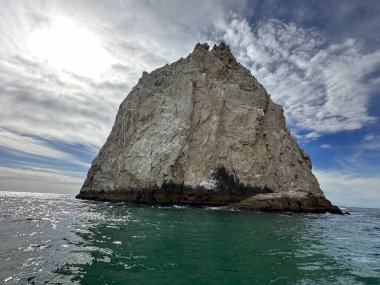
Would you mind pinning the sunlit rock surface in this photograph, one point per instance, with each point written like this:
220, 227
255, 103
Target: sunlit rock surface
203, 131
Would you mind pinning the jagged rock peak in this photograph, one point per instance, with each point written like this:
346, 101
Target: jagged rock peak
202, 47
221, 51
203, 131
217, 49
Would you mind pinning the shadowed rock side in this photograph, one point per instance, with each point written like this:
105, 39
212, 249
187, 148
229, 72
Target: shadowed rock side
203, 131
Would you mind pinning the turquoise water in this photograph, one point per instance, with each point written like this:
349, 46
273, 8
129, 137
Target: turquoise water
56, 239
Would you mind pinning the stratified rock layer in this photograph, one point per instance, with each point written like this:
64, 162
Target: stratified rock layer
203, 131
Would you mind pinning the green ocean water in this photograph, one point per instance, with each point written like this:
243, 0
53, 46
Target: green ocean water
56, 239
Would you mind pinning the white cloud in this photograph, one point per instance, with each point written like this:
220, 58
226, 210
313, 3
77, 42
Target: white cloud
326, 146
369, 137
38, 180
349, 189
67, 45
370, 142
322, 86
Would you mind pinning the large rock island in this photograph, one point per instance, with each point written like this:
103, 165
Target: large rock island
204, 131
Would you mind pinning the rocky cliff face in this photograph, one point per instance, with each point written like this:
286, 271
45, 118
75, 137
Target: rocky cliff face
203, 131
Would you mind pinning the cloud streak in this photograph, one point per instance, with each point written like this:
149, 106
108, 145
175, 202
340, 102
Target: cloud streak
350, 189
24, 145
38, 180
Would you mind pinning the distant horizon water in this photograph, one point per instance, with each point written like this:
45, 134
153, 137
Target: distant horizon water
77, 192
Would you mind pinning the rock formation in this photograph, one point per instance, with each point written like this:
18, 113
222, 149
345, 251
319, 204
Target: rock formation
203, 131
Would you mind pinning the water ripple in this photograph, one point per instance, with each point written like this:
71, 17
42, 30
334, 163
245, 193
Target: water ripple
56, 239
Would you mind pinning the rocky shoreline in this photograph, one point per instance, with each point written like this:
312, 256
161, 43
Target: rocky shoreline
269, 202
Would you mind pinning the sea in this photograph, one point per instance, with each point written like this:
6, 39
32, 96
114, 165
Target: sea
57, 239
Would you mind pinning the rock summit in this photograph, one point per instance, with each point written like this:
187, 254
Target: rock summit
204, 131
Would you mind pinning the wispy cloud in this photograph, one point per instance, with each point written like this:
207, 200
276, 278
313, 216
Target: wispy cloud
38, 180
361, 156
317, 82
370, 142
326, 146
350, 189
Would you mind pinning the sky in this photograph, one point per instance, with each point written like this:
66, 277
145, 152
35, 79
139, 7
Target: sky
65, 66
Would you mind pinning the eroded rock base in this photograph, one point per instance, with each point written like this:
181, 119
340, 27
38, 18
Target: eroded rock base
173, 194
178, 194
